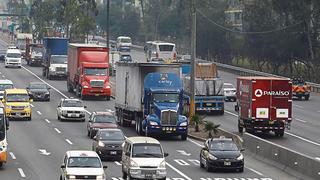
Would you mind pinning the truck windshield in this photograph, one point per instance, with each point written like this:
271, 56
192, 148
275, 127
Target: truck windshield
84, 162
166, 97
58, 59
147, 150
5, 86
17, 98
95, 71
14, 55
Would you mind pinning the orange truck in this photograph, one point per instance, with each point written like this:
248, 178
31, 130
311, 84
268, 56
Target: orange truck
300, 89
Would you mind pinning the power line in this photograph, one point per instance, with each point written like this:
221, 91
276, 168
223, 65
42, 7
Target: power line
247, 32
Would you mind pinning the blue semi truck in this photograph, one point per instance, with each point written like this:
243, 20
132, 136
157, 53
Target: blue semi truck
54, 63
209, 95
151, 96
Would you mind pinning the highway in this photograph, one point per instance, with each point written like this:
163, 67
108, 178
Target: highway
37, 147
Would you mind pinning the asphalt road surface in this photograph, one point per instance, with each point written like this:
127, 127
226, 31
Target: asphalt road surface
29, 139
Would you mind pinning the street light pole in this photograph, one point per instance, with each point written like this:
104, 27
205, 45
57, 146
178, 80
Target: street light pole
193, 58
108, 23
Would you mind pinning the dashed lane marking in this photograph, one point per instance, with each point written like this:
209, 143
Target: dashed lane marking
57, 130
31, 105
3, 76
39, 113
300, 120
47, 121
12, 155
317, 158
117, 163
68, 141
179, 172
297, 106
21, 172
255, 171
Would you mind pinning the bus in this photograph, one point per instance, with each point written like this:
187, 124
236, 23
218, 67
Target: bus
4, 126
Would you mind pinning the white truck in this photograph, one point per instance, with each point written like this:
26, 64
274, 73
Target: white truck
21, 41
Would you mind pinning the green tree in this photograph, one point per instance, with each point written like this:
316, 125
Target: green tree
210, 127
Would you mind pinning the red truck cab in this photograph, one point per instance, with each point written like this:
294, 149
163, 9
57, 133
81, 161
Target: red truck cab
264, 104
88, 70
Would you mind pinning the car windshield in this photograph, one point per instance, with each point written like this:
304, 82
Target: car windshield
111, 135
38, 86
72, 103
166, 47
103, 118
126, 58
228, 86
223, 146
84, 162
17, 98
166, 97
147, 150
95, 71
125, 40
58, 59
5, 86
14, 55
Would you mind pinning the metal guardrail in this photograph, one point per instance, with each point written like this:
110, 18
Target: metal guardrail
237, 70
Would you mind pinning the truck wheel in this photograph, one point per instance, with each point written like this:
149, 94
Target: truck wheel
299, 97
184, 137
28, 62
240, 129
69, 87
279, 133
77, 91
43, 72
138, 126
108, 98
306, 97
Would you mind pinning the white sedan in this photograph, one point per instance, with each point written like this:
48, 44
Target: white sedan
230, 92
71, 109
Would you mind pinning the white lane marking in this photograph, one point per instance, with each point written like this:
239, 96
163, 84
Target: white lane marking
255, 171
44, 152
12, 155
181, 162
68, 141
31, 105
47, 121
49, 85
307, 140
231, 113
21, 172
179, 172
317, 158
300, 120
117, 163
58, 131
194, 142
39, 112
183, 152
3, 76
194, 161
297, 106
0, 72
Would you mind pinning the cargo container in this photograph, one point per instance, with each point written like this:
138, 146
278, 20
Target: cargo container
88, 70
151, 94
54, 62
34, 53
264, 104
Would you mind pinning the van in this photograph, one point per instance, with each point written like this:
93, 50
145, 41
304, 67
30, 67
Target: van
143, 158
17, 103
161, 52
5, 84
13, 58
124, 42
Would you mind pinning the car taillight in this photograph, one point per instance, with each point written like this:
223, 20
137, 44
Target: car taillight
175, 56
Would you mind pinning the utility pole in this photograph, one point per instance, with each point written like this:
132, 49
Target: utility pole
193, 57
108, 23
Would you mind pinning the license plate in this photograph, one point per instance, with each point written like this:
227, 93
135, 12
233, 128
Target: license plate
209, 104
271, 122
227, 163
113, 152
97, 94
148, 176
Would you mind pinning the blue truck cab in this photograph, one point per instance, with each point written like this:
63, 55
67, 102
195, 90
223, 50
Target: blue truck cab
163, 105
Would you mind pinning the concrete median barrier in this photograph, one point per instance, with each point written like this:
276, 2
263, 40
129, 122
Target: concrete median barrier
290, 161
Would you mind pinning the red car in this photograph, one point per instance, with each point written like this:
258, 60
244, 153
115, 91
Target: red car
100, 120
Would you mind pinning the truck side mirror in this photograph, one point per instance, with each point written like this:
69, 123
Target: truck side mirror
63, 166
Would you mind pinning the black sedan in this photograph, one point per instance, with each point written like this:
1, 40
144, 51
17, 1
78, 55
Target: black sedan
221, 153
38, 91
108, 144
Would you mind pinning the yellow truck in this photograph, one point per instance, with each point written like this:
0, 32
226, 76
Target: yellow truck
17, 103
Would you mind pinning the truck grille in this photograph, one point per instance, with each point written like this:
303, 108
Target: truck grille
61, 69
97, 83
169, 117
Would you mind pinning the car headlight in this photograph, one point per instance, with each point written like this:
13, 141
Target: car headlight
47, 92
101, 144
184, 123
162, 164
240, 157
71, 176
153, 123
212, 157
85, 86
101, 177
63, 112
52, 69
133, 164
